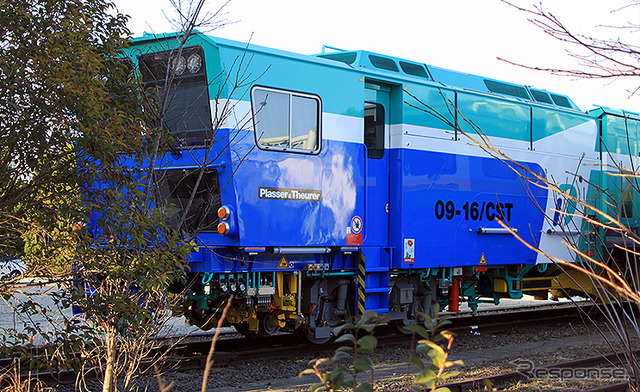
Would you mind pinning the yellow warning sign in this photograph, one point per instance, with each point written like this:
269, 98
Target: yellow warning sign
283, 263
195, 246
483, 261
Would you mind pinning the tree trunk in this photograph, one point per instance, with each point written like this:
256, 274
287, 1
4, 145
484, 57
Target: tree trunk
109, 337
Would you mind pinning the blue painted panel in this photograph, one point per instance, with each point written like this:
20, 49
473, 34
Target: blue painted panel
439, 200
337, 173
220, 259
446, 198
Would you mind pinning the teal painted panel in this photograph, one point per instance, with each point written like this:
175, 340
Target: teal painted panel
547, 122
616, 195
494, 117
340, 89
425, 104
621, 135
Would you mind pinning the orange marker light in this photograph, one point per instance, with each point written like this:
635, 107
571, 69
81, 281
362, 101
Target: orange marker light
223, 212
223, 228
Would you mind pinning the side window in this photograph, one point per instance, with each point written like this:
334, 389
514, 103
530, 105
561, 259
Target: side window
286, 120
374, 130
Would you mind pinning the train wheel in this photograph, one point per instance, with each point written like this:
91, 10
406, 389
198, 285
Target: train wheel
308, 335
268, 325
180, 305
201, 319
401, 327
204, 324
244, 330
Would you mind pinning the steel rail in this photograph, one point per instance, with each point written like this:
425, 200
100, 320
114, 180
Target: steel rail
191, 355
504, 379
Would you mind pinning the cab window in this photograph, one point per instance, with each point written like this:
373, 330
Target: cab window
285, 120
374, 130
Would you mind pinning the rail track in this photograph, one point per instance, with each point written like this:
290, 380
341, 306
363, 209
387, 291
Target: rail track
192, 355
506, 379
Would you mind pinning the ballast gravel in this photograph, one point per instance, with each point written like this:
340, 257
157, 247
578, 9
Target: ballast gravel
484, 355
274, 375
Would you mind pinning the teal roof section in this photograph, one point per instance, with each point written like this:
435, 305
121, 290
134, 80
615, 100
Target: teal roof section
620, 130
390, 68
146, 36
602, 110
397, 67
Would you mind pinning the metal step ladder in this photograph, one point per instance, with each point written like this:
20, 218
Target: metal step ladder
373, 280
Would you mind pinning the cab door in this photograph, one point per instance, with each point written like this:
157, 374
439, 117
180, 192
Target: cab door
376, 140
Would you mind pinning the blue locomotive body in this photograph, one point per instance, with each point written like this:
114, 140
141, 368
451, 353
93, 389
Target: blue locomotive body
349, 181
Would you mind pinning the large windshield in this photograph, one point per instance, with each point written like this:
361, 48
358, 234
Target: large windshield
186, 112
176, 187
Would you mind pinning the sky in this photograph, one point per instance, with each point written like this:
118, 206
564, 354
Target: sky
464, 35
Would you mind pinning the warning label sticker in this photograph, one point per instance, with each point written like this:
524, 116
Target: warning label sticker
356, 224
283, 263
354, 239
409, 250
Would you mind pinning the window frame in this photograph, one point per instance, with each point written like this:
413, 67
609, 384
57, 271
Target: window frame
291, 94
377, 153
152, 68
166, 193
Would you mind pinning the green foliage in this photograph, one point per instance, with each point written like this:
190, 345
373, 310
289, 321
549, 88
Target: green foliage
435, 368
58, 96
73, 192
73, 123
49, 250
349, 360
356, 356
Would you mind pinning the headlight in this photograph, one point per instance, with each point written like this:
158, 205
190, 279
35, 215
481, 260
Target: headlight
179, 65
194, 63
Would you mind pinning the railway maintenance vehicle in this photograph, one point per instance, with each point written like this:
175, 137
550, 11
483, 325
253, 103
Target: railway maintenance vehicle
349, 181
